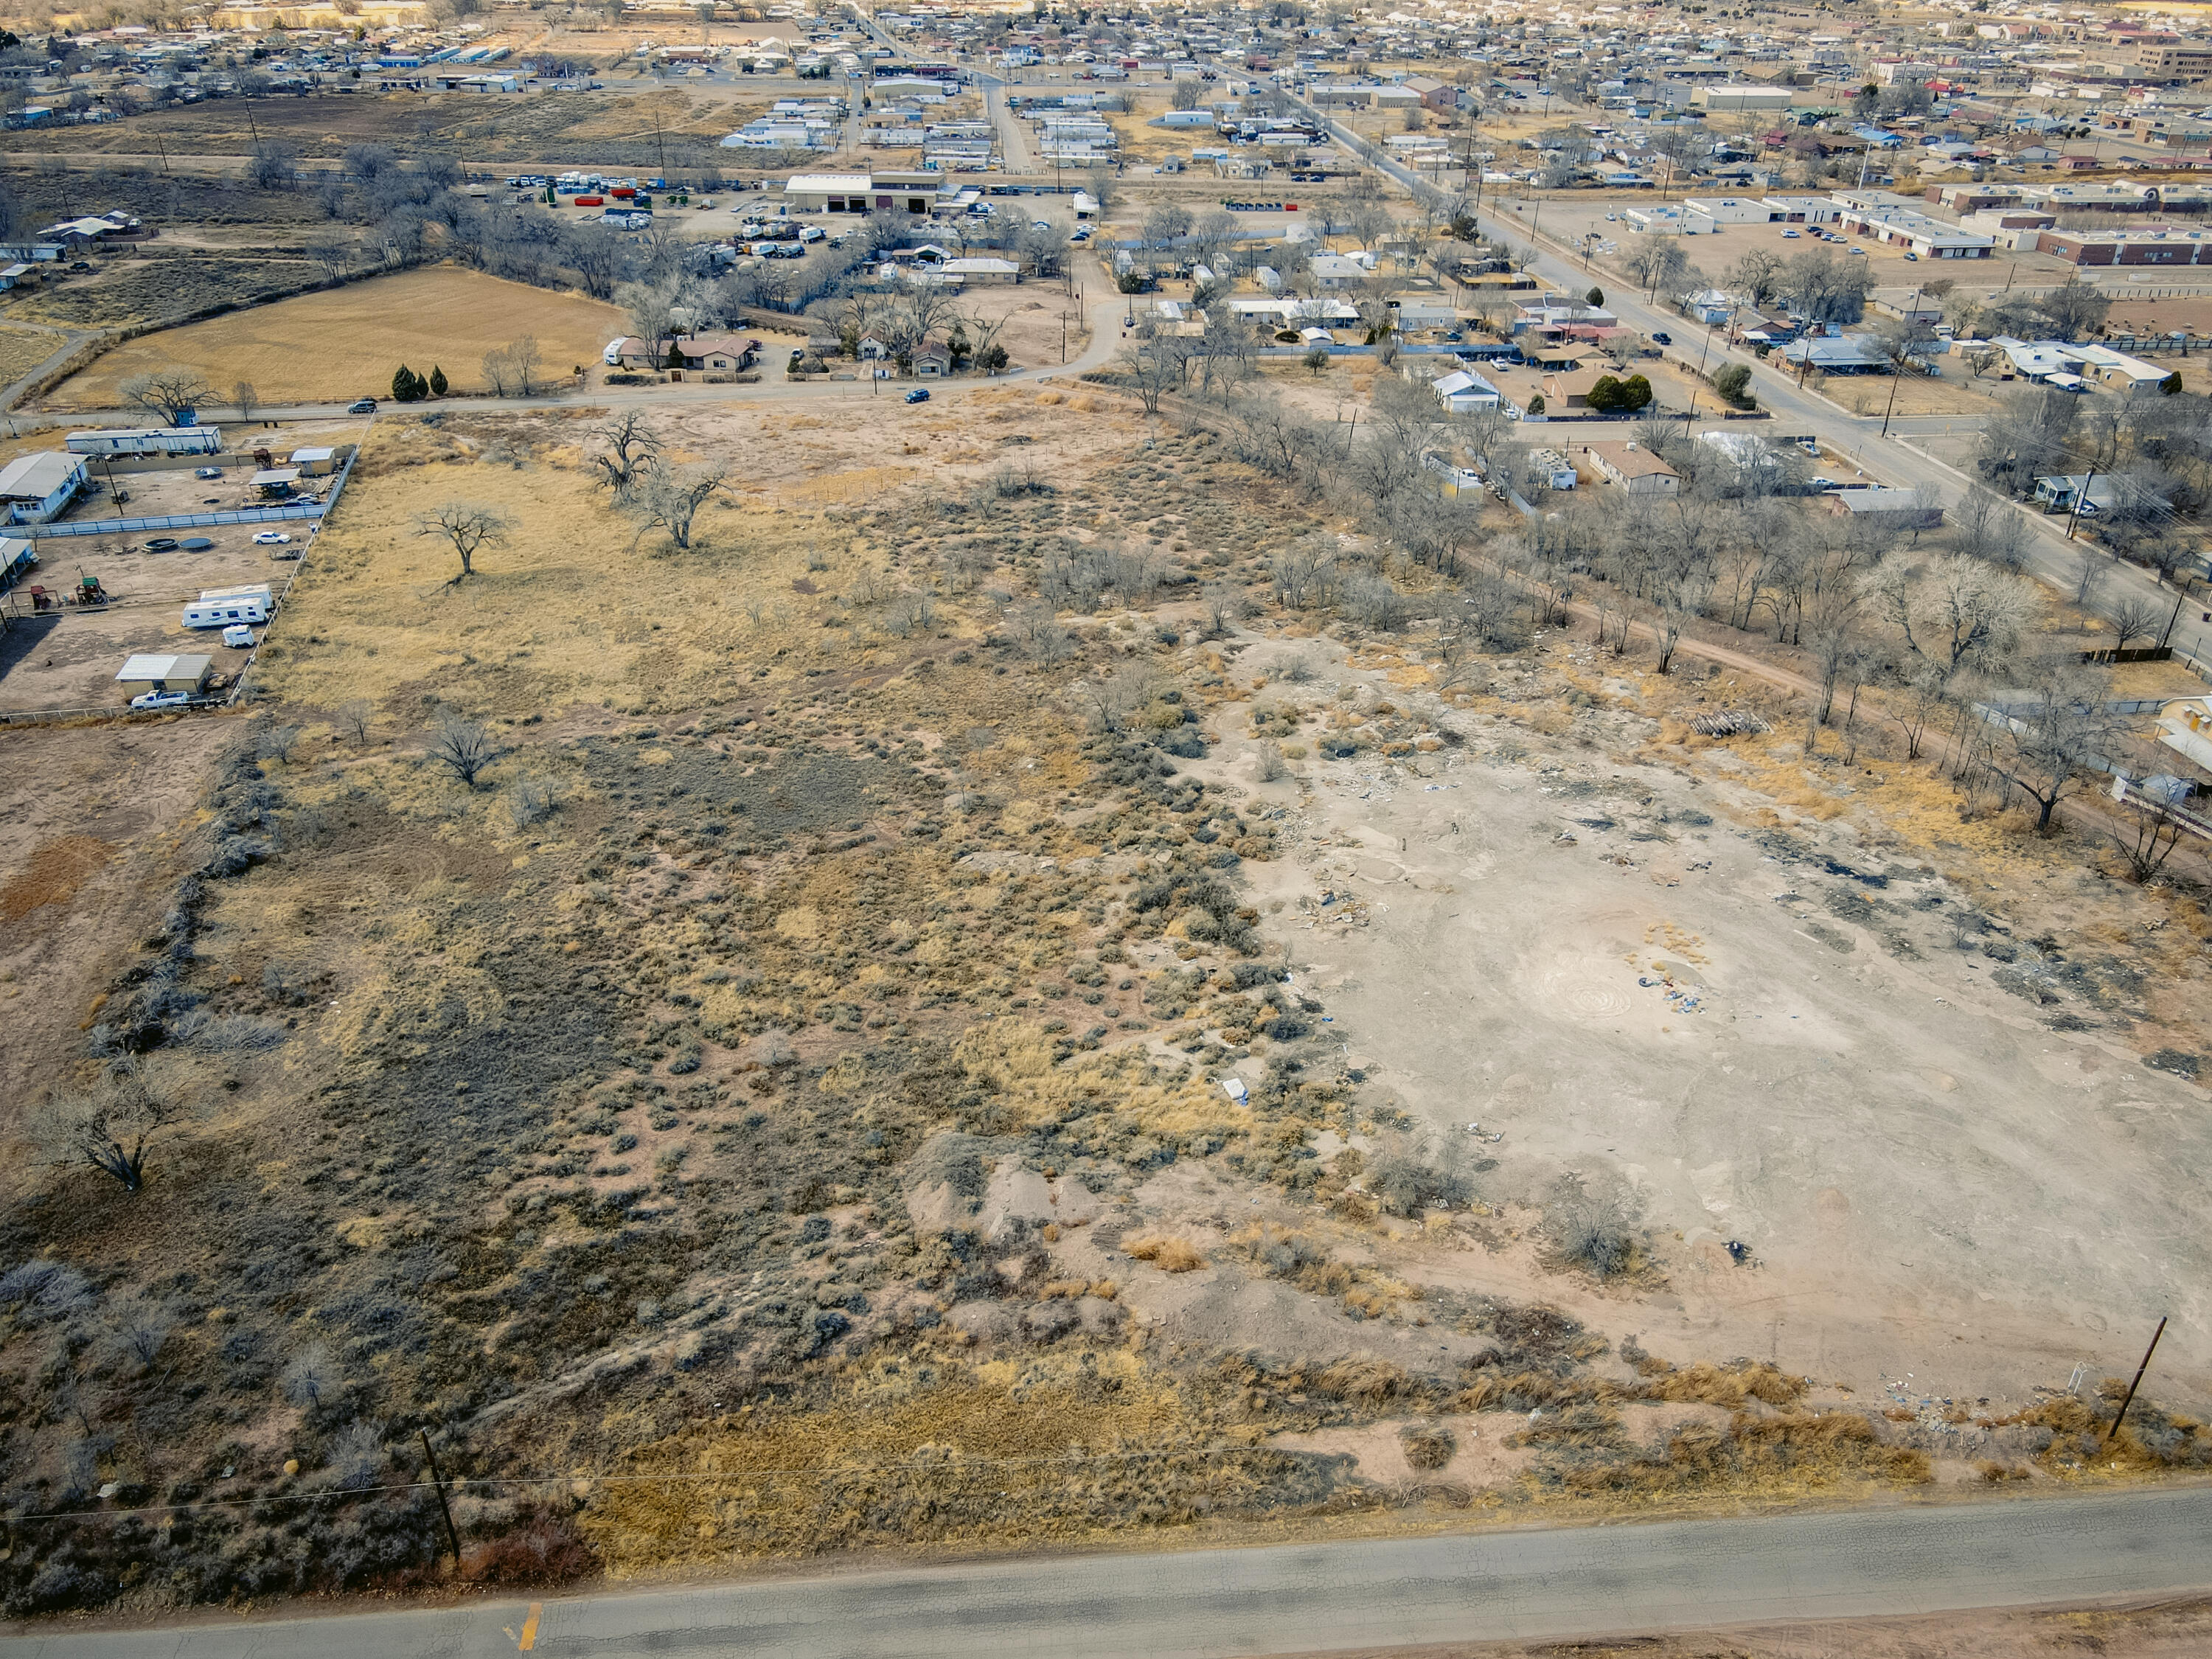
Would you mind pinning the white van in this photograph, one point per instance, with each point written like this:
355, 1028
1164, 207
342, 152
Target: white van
239, 637
222, 613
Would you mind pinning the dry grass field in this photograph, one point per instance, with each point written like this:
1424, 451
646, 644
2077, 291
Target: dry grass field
346, 343
780, 1102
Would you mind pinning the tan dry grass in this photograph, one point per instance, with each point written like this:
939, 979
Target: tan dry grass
346, 343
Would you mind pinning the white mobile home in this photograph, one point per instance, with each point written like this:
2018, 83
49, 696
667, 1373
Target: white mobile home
146, 440
235, 610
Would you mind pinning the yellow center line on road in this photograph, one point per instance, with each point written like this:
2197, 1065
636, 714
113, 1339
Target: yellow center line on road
528, 1638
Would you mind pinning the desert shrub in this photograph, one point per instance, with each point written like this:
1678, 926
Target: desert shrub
1271, 766
1597, 1233
1169, 1256
542, 1549
1405, 1177
1427, 1445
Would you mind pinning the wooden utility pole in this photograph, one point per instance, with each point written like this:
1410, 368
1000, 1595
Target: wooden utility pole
445, 1508
2121, 1414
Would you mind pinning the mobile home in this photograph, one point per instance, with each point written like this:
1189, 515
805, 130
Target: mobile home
146, 440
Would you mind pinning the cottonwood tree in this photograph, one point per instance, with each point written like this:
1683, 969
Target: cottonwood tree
244, 394
1109, 701
669, 499
464, 747
632, 446
1154, 366
273, 165
1954, 612
171, 393
652, 308
469, 527
513, 367
2057, 732
2146, 835
2134, 617
335, 254
111, 1125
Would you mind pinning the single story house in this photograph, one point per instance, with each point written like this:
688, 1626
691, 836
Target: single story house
1570, 390
713, 354
1461, 393
1902, 510
981, 270
634, 353
38, 487
933, 359
2061, 492
159, 671
1838, 353
1631, 467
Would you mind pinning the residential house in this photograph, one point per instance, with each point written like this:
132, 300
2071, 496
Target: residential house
2073, 492
38, 487
712, 356
1899, 510
1840, 353
636, 354
933, 359
1632, 468
1462, 392
1570, 390
2119, 373
873, 349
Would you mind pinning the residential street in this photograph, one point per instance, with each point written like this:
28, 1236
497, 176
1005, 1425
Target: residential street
1570, 1582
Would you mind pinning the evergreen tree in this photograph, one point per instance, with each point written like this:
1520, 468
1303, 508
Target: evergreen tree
403, 386
437, 381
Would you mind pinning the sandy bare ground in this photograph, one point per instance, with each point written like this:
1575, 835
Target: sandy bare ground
1760, 1032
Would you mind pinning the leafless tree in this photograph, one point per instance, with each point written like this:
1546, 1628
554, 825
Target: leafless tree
171, 393
464, 747
335, 254
2057, 732
652, 307
668, 499
1109, 701
632, 446
1155, 367
2134, 617
469, 526
354, 719
1304, 572
1954, 612
247, 398
110, 1126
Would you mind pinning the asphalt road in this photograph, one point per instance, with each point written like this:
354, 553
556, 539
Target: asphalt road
1548, 1584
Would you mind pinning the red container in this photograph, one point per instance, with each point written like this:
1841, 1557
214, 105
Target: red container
591, 201
621, 192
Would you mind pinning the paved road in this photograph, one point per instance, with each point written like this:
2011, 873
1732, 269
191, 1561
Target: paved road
1478, 1586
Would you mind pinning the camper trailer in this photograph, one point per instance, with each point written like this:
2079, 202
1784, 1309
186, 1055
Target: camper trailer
224, 607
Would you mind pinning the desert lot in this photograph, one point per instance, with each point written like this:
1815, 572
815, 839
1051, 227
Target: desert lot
346, 343
959, 1068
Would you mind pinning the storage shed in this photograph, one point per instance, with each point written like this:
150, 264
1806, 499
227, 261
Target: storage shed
155, 671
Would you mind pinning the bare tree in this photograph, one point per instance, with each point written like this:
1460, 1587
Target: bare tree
651, 306
632, 446
2056, 732
1155, 367
172, 393
273, 165
524, 354
1109, 701
335, 254
1955, 613
670, 499
244, 394
2135, 617
463, 747
2146, 837
469, 526
109, 1126
354, 719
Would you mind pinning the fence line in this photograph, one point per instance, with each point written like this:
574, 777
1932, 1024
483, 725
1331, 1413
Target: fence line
180, 521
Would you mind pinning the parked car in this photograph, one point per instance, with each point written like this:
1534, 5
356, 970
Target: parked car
148, 700
919, 395
1911, 255
1790, 235
238, 637
271, 538
162, 544
1662, 339
208, 472
362, 406
1859, 251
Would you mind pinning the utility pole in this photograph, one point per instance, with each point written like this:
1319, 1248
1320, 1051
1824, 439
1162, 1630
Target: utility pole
2138, 1383
2080, 495
445, 1508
